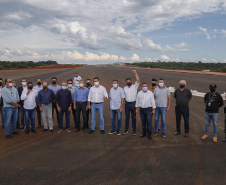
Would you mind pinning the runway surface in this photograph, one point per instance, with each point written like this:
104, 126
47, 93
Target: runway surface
80, 158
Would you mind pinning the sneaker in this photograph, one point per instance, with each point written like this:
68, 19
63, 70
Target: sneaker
134, 133
34, 131
159, 129
163, 135
143, 135
27, 131
224, 140
118, 133
91, 131
51, 130
9, 136
19, 127
77, 129
112, 132
23, 128
155, 133
68, 130
215, 139
16, 133
125, 132
186, 134
204, 137
59, 130
102, 132
176, 133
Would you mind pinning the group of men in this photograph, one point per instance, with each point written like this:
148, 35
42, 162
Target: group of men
76, 96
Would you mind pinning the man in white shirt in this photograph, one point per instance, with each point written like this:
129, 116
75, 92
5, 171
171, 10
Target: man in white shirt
1, 102
76, 80
29, 96
130, 100
97, 95
145, 100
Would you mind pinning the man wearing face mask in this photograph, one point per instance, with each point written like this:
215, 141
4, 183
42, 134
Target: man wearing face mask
153, 85
1, 103
64, 102
130, 100
10, 101
29, 96
45, 98
182, 95
88, 85
80, 103
213, 102
76, 80
21, 115
55, 88
97, 95
38, 88
117, 96
72, 89
145, 100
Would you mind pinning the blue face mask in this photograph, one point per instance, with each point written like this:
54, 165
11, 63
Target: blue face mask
144, 89
64, 87
161, 84
129, 83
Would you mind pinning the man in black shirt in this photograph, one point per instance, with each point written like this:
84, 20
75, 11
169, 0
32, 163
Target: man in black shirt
182, 96
213, 101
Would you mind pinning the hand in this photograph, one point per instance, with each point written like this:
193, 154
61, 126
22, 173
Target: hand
74, 107
19, 106
58, 109
89, 107
40, 108
153, 112
168, 108
136, 111
105, 97
69, 109
14, 105
134, 71
120, 109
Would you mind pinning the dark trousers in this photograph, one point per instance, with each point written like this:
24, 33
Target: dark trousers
146, 119
54, 106
185, 112
74, 113
81, 107
88, 112
225, 123
61, 116
39, 115
130, 108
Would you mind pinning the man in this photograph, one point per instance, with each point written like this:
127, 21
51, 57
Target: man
130, 101
38, 87
88, 85
145, 100
21, 115
76, 80
55, 88
45, 98
1, 103
80, 104
29, 96
117, 96
64, 102
213, 102
153, 85
97, 95
72, 89
162, 96
182, 96
10, 101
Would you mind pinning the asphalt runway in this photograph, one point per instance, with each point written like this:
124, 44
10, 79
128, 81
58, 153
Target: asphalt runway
80, 158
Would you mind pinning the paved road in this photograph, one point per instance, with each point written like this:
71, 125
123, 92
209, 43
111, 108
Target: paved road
80, 158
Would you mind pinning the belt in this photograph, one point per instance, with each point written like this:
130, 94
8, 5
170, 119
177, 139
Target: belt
181, 106
146, 108
131, 102
81, 102
45, 103
97, 102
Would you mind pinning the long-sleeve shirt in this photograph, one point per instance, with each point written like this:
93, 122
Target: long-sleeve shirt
81, 95
45, 97
131, 92
30, 99
145, 99
63, 98
96, 94
10, 95
116, 96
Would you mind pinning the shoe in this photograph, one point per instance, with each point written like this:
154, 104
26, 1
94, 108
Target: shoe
159, 129
186, 134
125, 132
9, 136
18, 127
215, 139
51, 130
91, 131
16, 133
77, 129
102, 132
3, 126
155, 133
143, 135
204, 137
23, 128
27, 131
34, 131
68, 130
163, 135
112, 132
44, 130
134, 133
149, 137
59, 130
39, 126
85, 130
224, 140
176, 133
118, 133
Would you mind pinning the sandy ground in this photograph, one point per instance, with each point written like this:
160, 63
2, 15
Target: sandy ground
80, 158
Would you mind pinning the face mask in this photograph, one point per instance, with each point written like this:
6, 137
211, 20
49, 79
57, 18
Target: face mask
64, 87
69, 85
44, 87
24, 83
0, 83
129, 84
88, 83
115, 85
182, 86
96, 83
76, 75
30, 87
144, 89
81, 85
39, 83
53, 82
212, 90
153, 84
161, 84
10, 84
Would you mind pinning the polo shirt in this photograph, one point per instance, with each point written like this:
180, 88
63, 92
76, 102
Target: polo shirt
182, 97
116, 96
161, 96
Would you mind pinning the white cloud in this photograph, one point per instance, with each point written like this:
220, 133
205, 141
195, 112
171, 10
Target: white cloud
223, 33
167, 59
135, 57
181, 45
152, 46
205, 32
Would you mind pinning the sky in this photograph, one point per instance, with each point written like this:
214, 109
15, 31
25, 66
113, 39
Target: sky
104, 31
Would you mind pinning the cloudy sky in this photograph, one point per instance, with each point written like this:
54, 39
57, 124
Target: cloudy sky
104, 31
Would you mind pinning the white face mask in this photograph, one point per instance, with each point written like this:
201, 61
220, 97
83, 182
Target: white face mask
161, 84
81, 85
96, 83
115, 85
24, 83
10, 84
69, 85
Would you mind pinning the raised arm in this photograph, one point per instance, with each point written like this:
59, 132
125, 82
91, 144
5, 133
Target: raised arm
136, 75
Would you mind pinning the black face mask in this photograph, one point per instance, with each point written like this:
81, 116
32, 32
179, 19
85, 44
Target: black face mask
0, 83
182, 86
53, 82
153, 84
44, 87
30, 87
39, 83
129, 83
212, 90
88, 83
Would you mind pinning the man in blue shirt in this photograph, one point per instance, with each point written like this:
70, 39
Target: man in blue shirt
80, 103
117, 96
10, 100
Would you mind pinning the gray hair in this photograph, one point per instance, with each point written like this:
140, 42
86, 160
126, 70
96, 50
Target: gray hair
182, 81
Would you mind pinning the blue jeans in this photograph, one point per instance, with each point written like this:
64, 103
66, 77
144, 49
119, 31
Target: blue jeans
2, 114
145, 115
130, 108
100, 108
185, 112
10, 115
21, 116
113, 119
160, 111
61, 115
30, 117
214, 117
